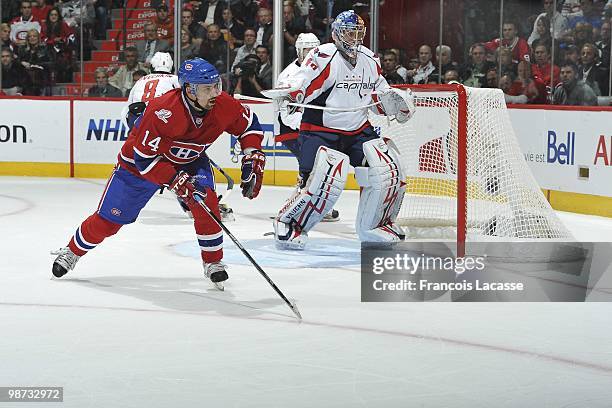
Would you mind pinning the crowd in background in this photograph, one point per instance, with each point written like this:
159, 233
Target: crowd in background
558, 55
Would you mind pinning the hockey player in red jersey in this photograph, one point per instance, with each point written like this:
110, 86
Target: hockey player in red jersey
167, 147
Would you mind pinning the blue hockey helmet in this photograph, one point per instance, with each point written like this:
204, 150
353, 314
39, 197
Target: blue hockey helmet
348, 30
198, 71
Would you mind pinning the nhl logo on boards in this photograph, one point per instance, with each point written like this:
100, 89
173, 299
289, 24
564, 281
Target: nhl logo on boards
163, 115
116, 212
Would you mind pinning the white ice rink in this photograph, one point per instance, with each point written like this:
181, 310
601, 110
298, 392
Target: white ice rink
136, 324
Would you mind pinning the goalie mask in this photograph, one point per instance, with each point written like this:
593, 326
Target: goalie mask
348, 32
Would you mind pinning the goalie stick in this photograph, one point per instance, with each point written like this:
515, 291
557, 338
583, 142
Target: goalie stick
289, 303
305, 105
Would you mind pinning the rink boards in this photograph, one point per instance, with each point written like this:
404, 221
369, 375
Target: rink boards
568, 151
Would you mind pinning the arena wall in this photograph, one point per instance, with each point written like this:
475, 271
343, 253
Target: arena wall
569, 150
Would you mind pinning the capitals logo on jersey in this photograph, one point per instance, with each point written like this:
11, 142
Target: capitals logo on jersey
163, 115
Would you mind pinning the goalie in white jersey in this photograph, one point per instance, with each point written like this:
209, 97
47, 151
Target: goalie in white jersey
340, 81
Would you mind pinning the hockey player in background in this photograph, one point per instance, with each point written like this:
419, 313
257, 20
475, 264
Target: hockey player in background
344, 79
167, 147
157, 83
288, 120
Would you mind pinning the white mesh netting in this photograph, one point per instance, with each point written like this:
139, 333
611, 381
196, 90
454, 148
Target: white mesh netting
503, 198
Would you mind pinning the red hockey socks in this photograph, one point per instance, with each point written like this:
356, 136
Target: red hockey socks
90, 233
210, 235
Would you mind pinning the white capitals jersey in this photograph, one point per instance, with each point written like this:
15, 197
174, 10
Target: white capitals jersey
291, 121
330, 80
152, 86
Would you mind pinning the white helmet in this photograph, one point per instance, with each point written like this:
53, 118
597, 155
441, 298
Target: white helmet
162, 62
305, 41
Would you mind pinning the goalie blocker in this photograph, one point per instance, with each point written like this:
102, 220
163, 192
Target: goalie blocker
379, 203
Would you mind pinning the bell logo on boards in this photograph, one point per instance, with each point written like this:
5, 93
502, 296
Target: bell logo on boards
561, 152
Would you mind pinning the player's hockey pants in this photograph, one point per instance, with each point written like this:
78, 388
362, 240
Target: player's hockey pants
126, 194
309, 142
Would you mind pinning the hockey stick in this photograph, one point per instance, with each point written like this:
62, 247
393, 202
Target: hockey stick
230, 182
304, 105
291, 305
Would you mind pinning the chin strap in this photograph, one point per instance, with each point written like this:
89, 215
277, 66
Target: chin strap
197, 109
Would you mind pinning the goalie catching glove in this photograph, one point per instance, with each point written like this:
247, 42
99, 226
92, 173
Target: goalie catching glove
184, 188
398, 103
252, 171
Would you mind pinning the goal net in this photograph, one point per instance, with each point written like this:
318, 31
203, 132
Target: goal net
466, 176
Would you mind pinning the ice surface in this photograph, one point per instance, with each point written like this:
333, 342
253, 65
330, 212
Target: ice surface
136, 325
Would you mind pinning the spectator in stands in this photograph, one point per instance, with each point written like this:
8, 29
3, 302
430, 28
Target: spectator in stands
214, 48
245, 11
390, 69
571, 55
196, 31
102, 20
542, 67
38, 60
558, 22
504, 61
474, 73
587, 14
519, 46
604, 43
451, 75
164, 23
591, 72
123, 79
264, 26
264, 73
232, 29
421, 74
9, 9
102, 89
40, 10
210, 12
5, 34
491, 78
248, 48
292, 27
542, 31
571, 90
529, 86
151, 44
245, 77
189, 50
444, 55
15, 79
24, 23
61, 39
583, 34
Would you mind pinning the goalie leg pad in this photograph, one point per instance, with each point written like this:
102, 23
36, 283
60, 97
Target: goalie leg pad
307, 206
383, 191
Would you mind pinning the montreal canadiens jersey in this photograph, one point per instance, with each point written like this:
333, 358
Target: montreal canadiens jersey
289, 122
329, 80
168, 136
151, 86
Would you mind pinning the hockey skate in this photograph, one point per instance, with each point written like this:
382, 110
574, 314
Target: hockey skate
332, 216
227, 214
65, 261
217, 274
289, 236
